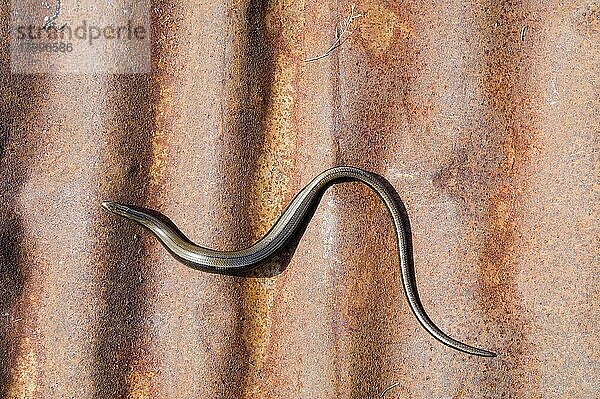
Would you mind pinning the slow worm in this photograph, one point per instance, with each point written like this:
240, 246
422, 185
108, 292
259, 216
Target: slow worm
289, 224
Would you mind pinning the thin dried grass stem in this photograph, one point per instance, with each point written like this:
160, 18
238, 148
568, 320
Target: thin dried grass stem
341, 34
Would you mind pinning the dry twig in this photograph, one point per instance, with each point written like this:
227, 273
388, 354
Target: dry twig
342, 33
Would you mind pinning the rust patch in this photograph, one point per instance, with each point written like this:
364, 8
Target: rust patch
364, 307
140, 381
373, 104
284, 22
486, 176
271, 189
271, 184
370, 112
275, 161
165, 27
247, 115
124, 272
160, 153
378, 29
19, 371
136, 160
21, 107
586, 20
25, 372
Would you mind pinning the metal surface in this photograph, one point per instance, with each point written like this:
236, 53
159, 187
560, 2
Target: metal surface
483, 115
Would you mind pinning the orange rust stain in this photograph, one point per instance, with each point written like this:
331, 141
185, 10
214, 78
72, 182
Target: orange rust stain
159, 137
270, 191
378, 27
277, 157
139, 382
586, 20
167, 44
488, 175
500, 246
24, 373
286, 17
284, 22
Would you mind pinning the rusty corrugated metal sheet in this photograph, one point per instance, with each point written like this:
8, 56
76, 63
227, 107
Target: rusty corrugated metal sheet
483, 114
